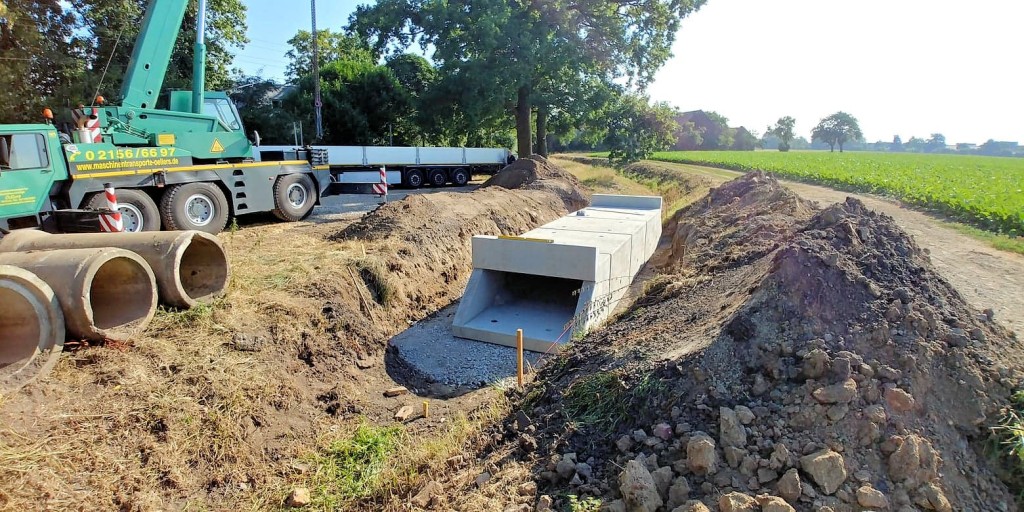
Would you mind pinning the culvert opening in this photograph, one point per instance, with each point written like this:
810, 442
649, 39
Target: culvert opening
20, 327
506, 301
120, 294
204, 269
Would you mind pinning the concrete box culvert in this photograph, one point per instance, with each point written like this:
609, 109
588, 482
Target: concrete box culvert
560, 279
31, 328
190, 266
104, 293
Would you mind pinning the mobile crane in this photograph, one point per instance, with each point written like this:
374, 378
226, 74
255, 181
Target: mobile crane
182, 160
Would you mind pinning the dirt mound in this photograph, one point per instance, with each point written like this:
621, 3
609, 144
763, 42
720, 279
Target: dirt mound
537, 173
786, 354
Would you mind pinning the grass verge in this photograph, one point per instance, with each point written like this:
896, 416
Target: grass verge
602, 400
351, 468
598, 176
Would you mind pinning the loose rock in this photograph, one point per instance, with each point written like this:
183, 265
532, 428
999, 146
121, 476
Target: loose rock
737, 502
732, 432
826, 468
869, 497
701, 456
299, 497
638, 488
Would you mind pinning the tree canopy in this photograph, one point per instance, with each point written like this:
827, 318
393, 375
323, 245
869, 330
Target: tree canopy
518, 56
836, 130
637, 129
331, 47
783, 129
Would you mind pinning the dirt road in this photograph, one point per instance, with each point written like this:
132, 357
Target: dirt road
987, 278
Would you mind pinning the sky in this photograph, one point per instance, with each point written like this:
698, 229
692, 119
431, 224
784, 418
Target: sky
901, 67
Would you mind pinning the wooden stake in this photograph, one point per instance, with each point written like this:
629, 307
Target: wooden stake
426, 409
519, 356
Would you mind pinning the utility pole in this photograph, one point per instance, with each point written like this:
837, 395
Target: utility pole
317, 100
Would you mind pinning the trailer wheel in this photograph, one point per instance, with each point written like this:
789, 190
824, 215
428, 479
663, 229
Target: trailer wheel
414, 178
460, 177
138, 210
195, 206
438, 178
294, 197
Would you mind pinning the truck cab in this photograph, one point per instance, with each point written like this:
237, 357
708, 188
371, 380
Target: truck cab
31, 165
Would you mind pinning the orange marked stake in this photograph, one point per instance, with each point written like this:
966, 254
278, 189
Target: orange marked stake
519, 356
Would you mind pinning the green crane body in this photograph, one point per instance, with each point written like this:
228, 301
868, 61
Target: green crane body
149, 140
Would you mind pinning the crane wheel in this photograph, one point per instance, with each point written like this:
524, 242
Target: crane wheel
195, 206
294, 197
460, 177
138, 211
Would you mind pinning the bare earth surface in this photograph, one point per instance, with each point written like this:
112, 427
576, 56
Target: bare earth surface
987, 278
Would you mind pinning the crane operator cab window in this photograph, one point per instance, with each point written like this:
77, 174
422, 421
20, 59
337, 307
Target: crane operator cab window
21, 151
223, 109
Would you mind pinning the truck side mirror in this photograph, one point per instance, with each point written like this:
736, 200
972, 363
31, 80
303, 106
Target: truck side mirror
5, 154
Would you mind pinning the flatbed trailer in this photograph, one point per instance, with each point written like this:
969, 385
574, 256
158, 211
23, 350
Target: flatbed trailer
354, 168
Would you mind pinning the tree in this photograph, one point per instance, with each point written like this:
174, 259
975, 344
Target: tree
897, 144
636, 129
936, 143
518, 55
40, 58
331, 46
783, 129
365, 101
112, 26
836, 130
916, 144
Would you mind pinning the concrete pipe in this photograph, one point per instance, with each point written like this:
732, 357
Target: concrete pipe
190, 266
104, 293
31, 328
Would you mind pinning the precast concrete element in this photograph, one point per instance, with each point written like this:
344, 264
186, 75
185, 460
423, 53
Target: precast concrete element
31, 328
190, 266
104, 293
560, 279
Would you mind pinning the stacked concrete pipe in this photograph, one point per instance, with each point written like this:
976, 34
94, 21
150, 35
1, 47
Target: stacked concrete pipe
31, 328
104, 293
190, 266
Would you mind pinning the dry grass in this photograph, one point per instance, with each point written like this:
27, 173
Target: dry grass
677, 190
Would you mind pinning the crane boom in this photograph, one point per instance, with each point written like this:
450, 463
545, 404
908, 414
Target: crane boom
151, 56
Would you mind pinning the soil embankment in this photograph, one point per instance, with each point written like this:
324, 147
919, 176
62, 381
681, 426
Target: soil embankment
785, 355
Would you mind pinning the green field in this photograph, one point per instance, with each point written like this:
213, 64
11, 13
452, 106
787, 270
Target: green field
984, 191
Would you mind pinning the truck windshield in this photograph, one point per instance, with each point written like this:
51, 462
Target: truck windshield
21, 151
221, 108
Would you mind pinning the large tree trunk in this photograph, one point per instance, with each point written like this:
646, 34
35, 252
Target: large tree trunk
542, 133
523, 113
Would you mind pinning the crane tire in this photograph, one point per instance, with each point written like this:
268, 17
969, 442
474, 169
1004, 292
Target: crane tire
196, 206
294, 197
138, 211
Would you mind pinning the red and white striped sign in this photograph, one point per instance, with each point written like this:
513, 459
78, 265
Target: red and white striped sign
381, 188
111, 222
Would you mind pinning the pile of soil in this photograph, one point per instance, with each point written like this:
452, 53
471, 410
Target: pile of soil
537, 173
787, 357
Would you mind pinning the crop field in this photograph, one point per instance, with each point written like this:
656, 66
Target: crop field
985, 191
